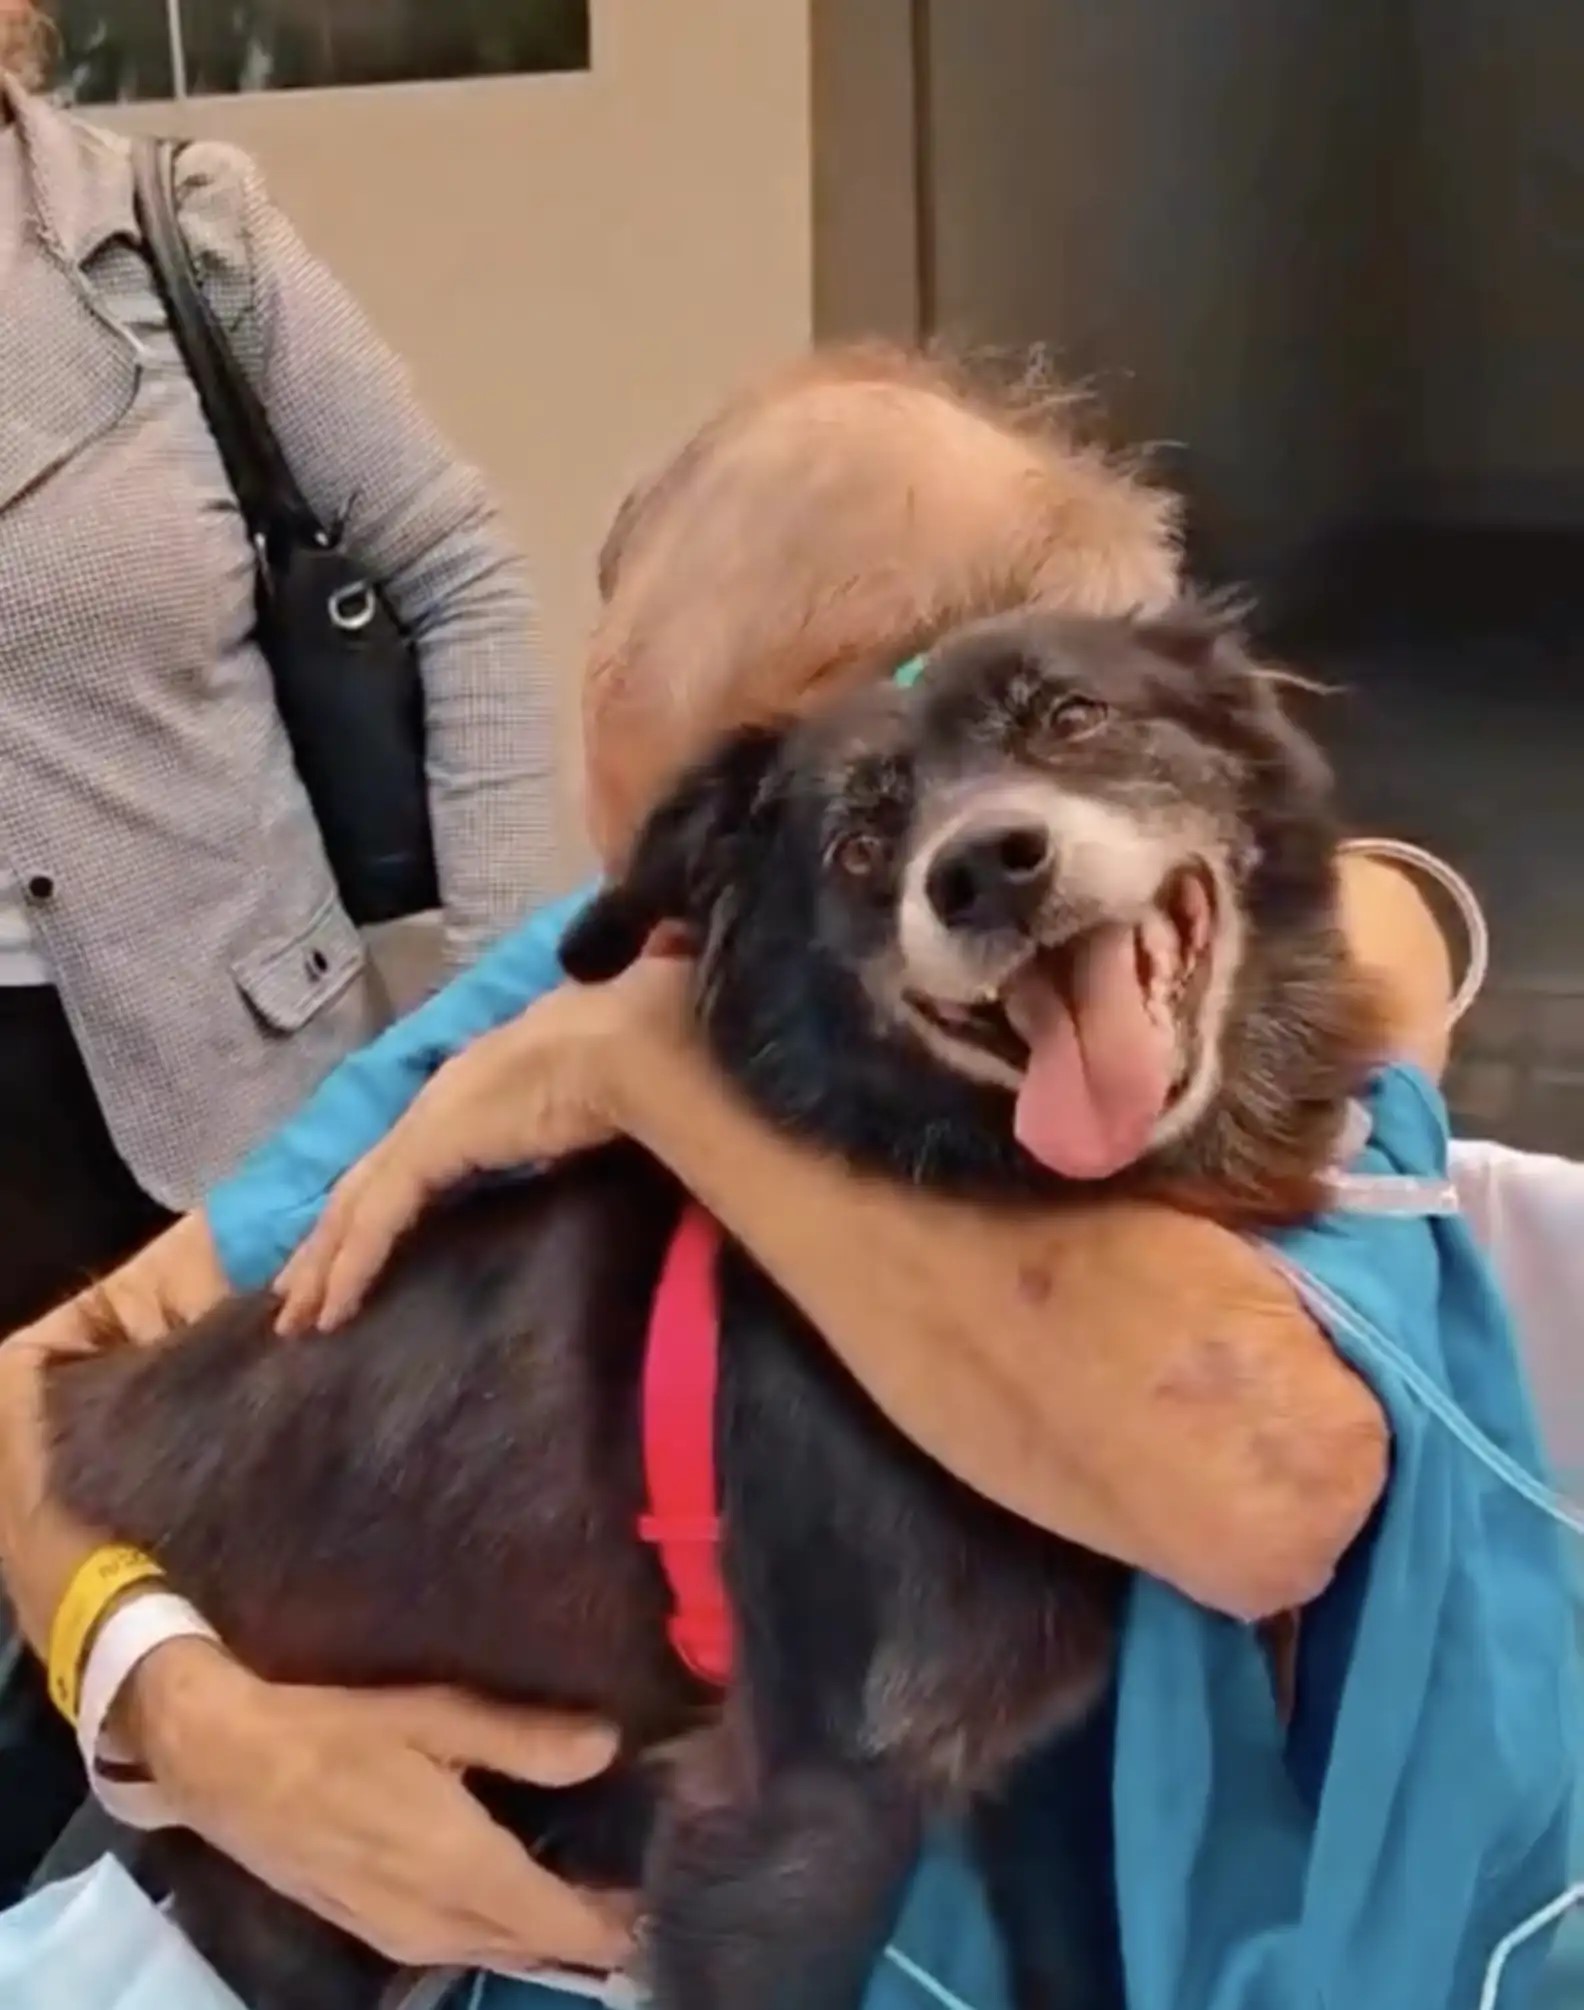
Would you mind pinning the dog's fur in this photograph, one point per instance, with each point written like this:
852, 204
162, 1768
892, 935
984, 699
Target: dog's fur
450, 1491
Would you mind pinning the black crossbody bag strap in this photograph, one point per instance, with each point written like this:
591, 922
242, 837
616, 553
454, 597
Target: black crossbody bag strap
272, 504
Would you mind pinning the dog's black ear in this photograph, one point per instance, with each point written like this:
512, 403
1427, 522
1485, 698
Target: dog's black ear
681, 861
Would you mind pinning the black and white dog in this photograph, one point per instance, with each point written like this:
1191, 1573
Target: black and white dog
1066, 910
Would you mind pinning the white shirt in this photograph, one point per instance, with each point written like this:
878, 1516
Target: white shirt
21, 956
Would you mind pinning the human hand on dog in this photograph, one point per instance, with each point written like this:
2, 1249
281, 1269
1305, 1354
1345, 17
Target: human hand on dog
541, 1087
352, 1804
41, 1546
348, 1801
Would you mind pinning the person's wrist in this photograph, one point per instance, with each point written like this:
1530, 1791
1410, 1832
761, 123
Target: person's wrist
21, 1456
175, 1697
193, 1261
18, 1405
643, 1056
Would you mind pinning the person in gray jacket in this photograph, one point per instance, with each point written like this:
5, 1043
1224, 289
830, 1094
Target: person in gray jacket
176, 969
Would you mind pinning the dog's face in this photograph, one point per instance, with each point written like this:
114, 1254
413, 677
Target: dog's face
1032, 915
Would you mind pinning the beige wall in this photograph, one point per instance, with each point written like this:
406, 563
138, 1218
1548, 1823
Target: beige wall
575, 267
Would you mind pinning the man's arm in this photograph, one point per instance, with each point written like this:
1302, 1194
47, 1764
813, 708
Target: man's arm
1136, 1380
1394, 936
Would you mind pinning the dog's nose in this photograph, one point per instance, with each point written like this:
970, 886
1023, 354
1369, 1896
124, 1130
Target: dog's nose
995, 877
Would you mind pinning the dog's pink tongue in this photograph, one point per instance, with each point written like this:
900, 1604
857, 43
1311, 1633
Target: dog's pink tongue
1099, 1067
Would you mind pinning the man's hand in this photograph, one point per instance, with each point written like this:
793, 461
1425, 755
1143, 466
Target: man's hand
351, 1803
538, 1088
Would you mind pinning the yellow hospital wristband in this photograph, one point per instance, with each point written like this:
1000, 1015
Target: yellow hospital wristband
99, 1582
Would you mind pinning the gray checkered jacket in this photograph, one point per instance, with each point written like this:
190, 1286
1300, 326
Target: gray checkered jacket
148, 801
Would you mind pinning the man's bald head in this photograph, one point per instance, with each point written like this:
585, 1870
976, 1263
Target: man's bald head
824, 526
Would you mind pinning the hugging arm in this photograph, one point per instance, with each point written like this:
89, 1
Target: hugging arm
1138, 1381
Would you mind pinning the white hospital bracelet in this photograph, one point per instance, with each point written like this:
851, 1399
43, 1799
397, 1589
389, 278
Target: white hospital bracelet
126, 1639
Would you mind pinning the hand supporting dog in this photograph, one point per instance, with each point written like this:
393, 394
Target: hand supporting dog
347, 1801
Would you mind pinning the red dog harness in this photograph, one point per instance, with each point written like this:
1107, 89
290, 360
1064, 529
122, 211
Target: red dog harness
681, 1373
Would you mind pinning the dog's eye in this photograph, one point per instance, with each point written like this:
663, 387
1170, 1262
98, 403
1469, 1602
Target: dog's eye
1076, 718
859, 855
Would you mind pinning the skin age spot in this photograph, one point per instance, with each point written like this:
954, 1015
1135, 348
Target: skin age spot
1034, 1283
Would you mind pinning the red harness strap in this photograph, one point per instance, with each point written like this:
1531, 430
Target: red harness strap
681, 1372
